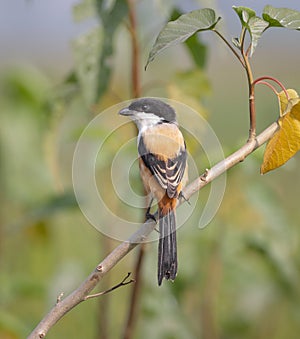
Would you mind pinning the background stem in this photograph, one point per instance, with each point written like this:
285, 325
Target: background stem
135, 64
136, 93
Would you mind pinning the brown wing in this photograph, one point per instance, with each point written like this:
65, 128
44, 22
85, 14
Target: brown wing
168, 172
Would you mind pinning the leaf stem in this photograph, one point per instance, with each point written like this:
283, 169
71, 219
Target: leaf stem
245, 55
261, 80
244, 60
266, 83
230, 47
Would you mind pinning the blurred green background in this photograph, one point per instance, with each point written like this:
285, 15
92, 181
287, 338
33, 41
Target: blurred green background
64, 62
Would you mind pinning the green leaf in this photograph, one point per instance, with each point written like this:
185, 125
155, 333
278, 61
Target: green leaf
111, 15
244, 13
256, 27
109, 4
282, 17
196, 48
184, 27
93, 51
254, 24
87, 49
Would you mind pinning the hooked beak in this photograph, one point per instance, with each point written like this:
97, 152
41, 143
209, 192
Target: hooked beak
126, 112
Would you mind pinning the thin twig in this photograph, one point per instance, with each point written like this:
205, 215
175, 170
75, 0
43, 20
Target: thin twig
261, 80
122, 283
78, 295
230, 47
248, 51
279, 83
266, 83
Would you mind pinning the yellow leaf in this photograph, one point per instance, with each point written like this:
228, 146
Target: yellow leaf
284, 103
286, 141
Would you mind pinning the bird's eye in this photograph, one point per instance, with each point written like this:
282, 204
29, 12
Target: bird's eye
145, 108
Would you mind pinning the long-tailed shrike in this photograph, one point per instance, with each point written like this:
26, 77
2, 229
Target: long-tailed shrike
163, 169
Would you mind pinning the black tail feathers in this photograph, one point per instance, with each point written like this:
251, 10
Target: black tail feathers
167, 247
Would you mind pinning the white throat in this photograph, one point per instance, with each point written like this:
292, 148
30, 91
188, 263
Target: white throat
146, 120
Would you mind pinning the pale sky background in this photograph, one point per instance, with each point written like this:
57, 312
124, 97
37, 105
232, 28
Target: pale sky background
39, 32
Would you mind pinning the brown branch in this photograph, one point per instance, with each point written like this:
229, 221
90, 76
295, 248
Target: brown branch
77, 296
230, 161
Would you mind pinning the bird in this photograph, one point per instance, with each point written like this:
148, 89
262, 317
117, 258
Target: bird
163, 170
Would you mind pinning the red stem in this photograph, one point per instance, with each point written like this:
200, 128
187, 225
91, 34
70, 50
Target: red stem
269, 85
261, 80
